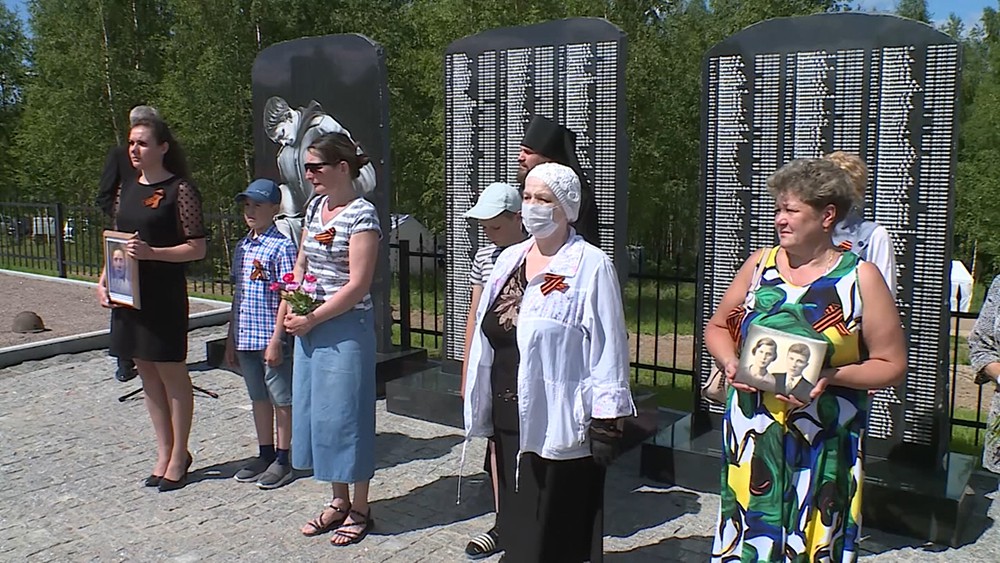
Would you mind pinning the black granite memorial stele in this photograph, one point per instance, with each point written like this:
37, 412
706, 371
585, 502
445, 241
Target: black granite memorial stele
571, 71
310, 86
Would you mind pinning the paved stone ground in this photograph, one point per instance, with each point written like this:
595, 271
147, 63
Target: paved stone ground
73, 458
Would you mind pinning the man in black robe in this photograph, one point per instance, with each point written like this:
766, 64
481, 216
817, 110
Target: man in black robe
546, 141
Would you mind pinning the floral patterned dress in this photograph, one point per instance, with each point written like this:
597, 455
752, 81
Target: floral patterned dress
791, 478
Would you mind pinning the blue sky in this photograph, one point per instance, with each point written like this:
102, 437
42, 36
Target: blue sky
968, 10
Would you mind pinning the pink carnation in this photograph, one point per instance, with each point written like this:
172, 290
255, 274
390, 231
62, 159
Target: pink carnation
309, 287
275, 286
291, 287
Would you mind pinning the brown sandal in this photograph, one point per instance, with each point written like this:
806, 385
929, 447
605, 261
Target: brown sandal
320, 527
356, 530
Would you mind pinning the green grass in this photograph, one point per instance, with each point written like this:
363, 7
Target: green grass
649, 313
962, 348
672, 390
978, 296
674, 308
963, 439
422, 290
430, 343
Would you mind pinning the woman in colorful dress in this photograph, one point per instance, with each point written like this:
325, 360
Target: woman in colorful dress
333, 383
792, 473
163, 208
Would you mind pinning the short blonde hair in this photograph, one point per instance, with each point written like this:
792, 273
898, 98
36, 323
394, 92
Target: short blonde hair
817, 182
856, 170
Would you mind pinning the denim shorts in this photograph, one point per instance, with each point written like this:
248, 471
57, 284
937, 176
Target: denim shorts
264, 382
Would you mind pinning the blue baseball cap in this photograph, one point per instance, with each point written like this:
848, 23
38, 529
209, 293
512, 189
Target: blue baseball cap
261, 190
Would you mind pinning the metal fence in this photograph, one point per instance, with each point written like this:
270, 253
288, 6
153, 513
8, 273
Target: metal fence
961, 417
67, 241
659, 299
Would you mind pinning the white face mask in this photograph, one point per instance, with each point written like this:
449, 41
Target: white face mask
537, 220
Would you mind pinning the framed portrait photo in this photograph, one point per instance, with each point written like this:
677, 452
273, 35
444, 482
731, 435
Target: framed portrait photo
121, 272
778, 362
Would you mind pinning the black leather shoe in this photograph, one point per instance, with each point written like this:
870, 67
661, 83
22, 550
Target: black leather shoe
126, 371
168, 485
153, 480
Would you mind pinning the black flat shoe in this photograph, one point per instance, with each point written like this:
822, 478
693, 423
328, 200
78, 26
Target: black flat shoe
167, 485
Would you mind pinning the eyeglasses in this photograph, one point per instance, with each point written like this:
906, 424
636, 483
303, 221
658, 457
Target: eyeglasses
315, 167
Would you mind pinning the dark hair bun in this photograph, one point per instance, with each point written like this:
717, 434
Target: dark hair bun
363, 160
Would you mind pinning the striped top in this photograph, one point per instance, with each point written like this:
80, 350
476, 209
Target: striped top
326, 245
482, 264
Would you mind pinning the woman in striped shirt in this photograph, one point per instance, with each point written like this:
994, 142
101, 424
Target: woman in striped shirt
333, 389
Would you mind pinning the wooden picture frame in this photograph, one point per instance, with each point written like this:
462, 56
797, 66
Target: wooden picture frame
121, 272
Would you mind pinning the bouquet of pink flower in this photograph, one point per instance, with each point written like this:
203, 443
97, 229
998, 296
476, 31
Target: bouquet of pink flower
301, 297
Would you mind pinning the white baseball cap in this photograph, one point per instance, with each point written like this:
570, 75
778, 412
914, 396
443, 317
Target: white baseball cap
494, 200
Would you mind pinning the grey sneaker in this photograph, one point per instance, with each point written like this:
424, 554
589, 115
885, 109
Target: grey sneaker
275, 476
252, 471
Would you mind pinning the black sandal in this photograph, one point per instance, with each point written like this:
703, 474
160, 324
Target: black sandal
349, 531
483, 545
319, 527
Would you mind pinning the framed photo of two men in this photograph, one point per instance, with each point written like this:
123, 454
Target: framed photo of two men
781, 363
121, 271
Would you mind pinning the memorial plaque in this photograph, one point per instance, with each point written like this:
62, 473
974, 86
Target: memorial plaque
571, 71
307, 87
880, 86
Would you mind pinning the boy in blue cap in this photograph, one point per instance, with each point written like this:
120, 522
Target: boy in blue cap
257, 342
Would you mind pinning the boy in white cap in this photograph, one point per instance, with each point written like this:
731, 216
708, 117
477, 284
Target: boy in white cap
498, 211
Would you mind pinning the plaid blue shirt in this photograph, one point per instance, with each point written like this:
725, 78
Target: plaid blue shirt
259, 262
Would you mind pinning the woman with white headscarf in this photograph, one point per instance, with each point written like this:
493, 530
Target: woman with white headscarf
548, 378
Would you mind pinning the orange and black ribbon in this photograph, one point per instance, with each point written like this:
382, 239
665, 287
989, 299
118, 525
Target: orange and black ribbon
846, 246
153, 201
326, 237
258, 272
552, 283
833, 316
734, 322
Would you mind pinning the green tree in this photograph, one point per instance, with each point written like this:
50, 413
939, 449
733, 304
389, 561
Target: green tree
978, 176
913, 9
92, 61
14, 56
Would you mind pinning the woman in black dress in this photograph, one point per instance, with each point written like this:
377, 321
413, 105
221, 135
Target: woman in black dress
163, 209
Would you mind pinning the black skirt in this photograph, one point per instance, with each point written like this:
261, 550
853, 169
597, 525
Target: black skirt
556, 515
158, 331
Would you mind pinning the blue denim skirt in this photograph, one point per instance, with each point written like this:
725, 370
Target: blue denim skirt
333, 399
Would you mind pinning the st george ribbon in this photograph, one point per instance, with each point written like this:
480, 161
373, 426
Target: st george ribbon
885, 88
571, 71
